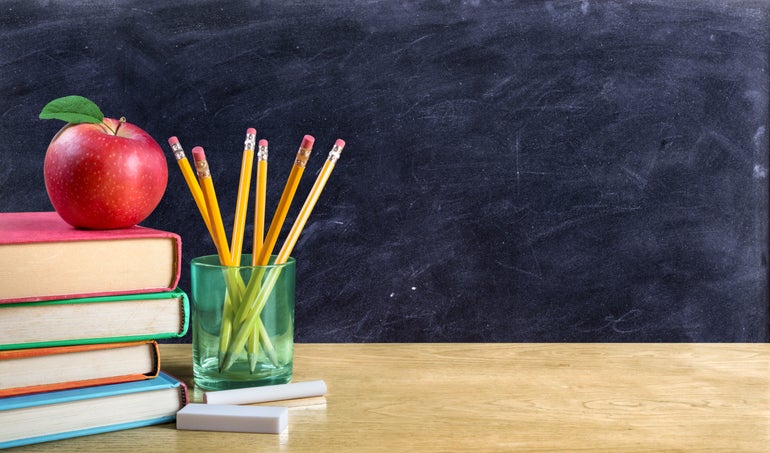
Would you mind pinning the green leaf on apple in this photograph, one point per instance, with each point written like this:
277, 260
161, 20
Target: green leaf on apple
72, 109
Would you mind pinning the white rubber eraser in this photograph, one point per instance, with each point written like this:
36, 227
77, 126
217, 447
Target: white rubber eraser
266, 393
225, 417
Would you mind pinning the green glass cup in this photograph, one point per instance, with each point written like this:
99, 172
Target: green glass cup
242, 323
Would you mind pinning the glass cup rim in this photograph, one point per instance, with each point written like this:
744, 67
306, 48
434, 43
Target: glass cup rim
212, 261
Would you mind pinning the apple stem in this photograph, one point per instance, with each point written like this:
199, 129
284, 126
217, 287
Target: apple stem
122, 120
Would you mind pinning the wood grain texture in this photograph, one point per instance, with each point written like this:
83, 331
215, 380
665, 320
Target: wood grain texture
499, 397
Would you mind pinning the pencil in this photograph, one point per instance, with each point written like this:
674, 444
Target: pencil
190, 179
250, 311
259, 204
234, 293
312, 198
215, 216
303, 154
242, 200
252, 347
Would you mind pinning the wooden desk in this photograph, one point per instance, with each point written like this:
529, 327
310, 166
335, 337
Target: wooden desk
499, 397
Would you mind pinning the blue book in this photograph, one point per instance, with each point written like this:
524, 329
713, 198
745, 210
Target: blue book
44, 417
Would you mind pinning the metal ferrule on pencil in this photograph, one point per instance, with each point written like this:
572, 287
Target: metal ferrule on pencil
262, 153
302, 156
202, 167
176, 148
250, 142
334, 154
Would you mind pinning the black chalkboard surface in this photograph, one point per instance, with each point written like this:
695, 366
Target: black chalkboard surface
514, 171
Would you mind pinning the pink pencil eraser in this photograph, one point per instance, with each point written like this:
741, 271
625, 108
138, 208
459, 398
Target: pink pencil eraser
263, 142
232, 418
251, 131
307, 142
340, 143
173, 141
198, 153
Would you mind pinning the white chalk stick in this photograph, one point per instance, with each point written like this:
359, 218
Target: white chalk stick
242, 419
266, 393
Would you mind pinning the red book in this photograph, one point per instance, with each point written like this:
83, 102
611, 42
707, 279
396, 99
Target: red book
44, 258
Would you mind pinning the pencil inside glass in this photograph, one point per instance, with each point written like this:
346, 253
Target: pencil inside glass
232, 293
253, 305
233, 280
266, 248
252, 347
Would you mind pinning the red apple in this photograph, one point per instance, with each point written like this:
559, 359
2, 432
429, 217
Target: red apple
106, 175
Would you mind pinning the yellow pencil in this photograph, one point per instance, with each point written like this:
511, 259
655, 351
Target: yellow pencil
215, 216
250, 311
312, 198
242, 200
234, 293
236, 244
190, 179
261, 199
303, 154
266, 248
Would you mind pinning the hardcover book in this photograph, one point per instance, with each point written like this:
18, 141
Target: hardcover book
26, 371
108, 319
43, 417
42, 257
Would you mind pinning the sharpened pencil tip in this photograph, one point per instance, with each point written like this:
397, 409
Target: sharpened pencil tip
253, 363
227, 362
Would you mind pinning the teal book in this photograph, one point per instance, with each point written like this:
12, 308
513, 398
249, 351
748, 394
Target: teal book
44, 417
106, 319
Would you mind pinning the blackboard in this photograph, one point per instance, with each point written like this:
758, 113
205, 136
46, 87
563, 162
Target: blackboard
514, 171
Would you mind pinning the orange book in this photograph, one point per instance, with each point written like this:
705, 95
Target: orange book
36, 370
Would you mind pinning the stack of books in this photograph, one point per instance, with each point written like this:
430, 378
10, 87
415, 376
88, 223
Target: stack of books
81, 312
